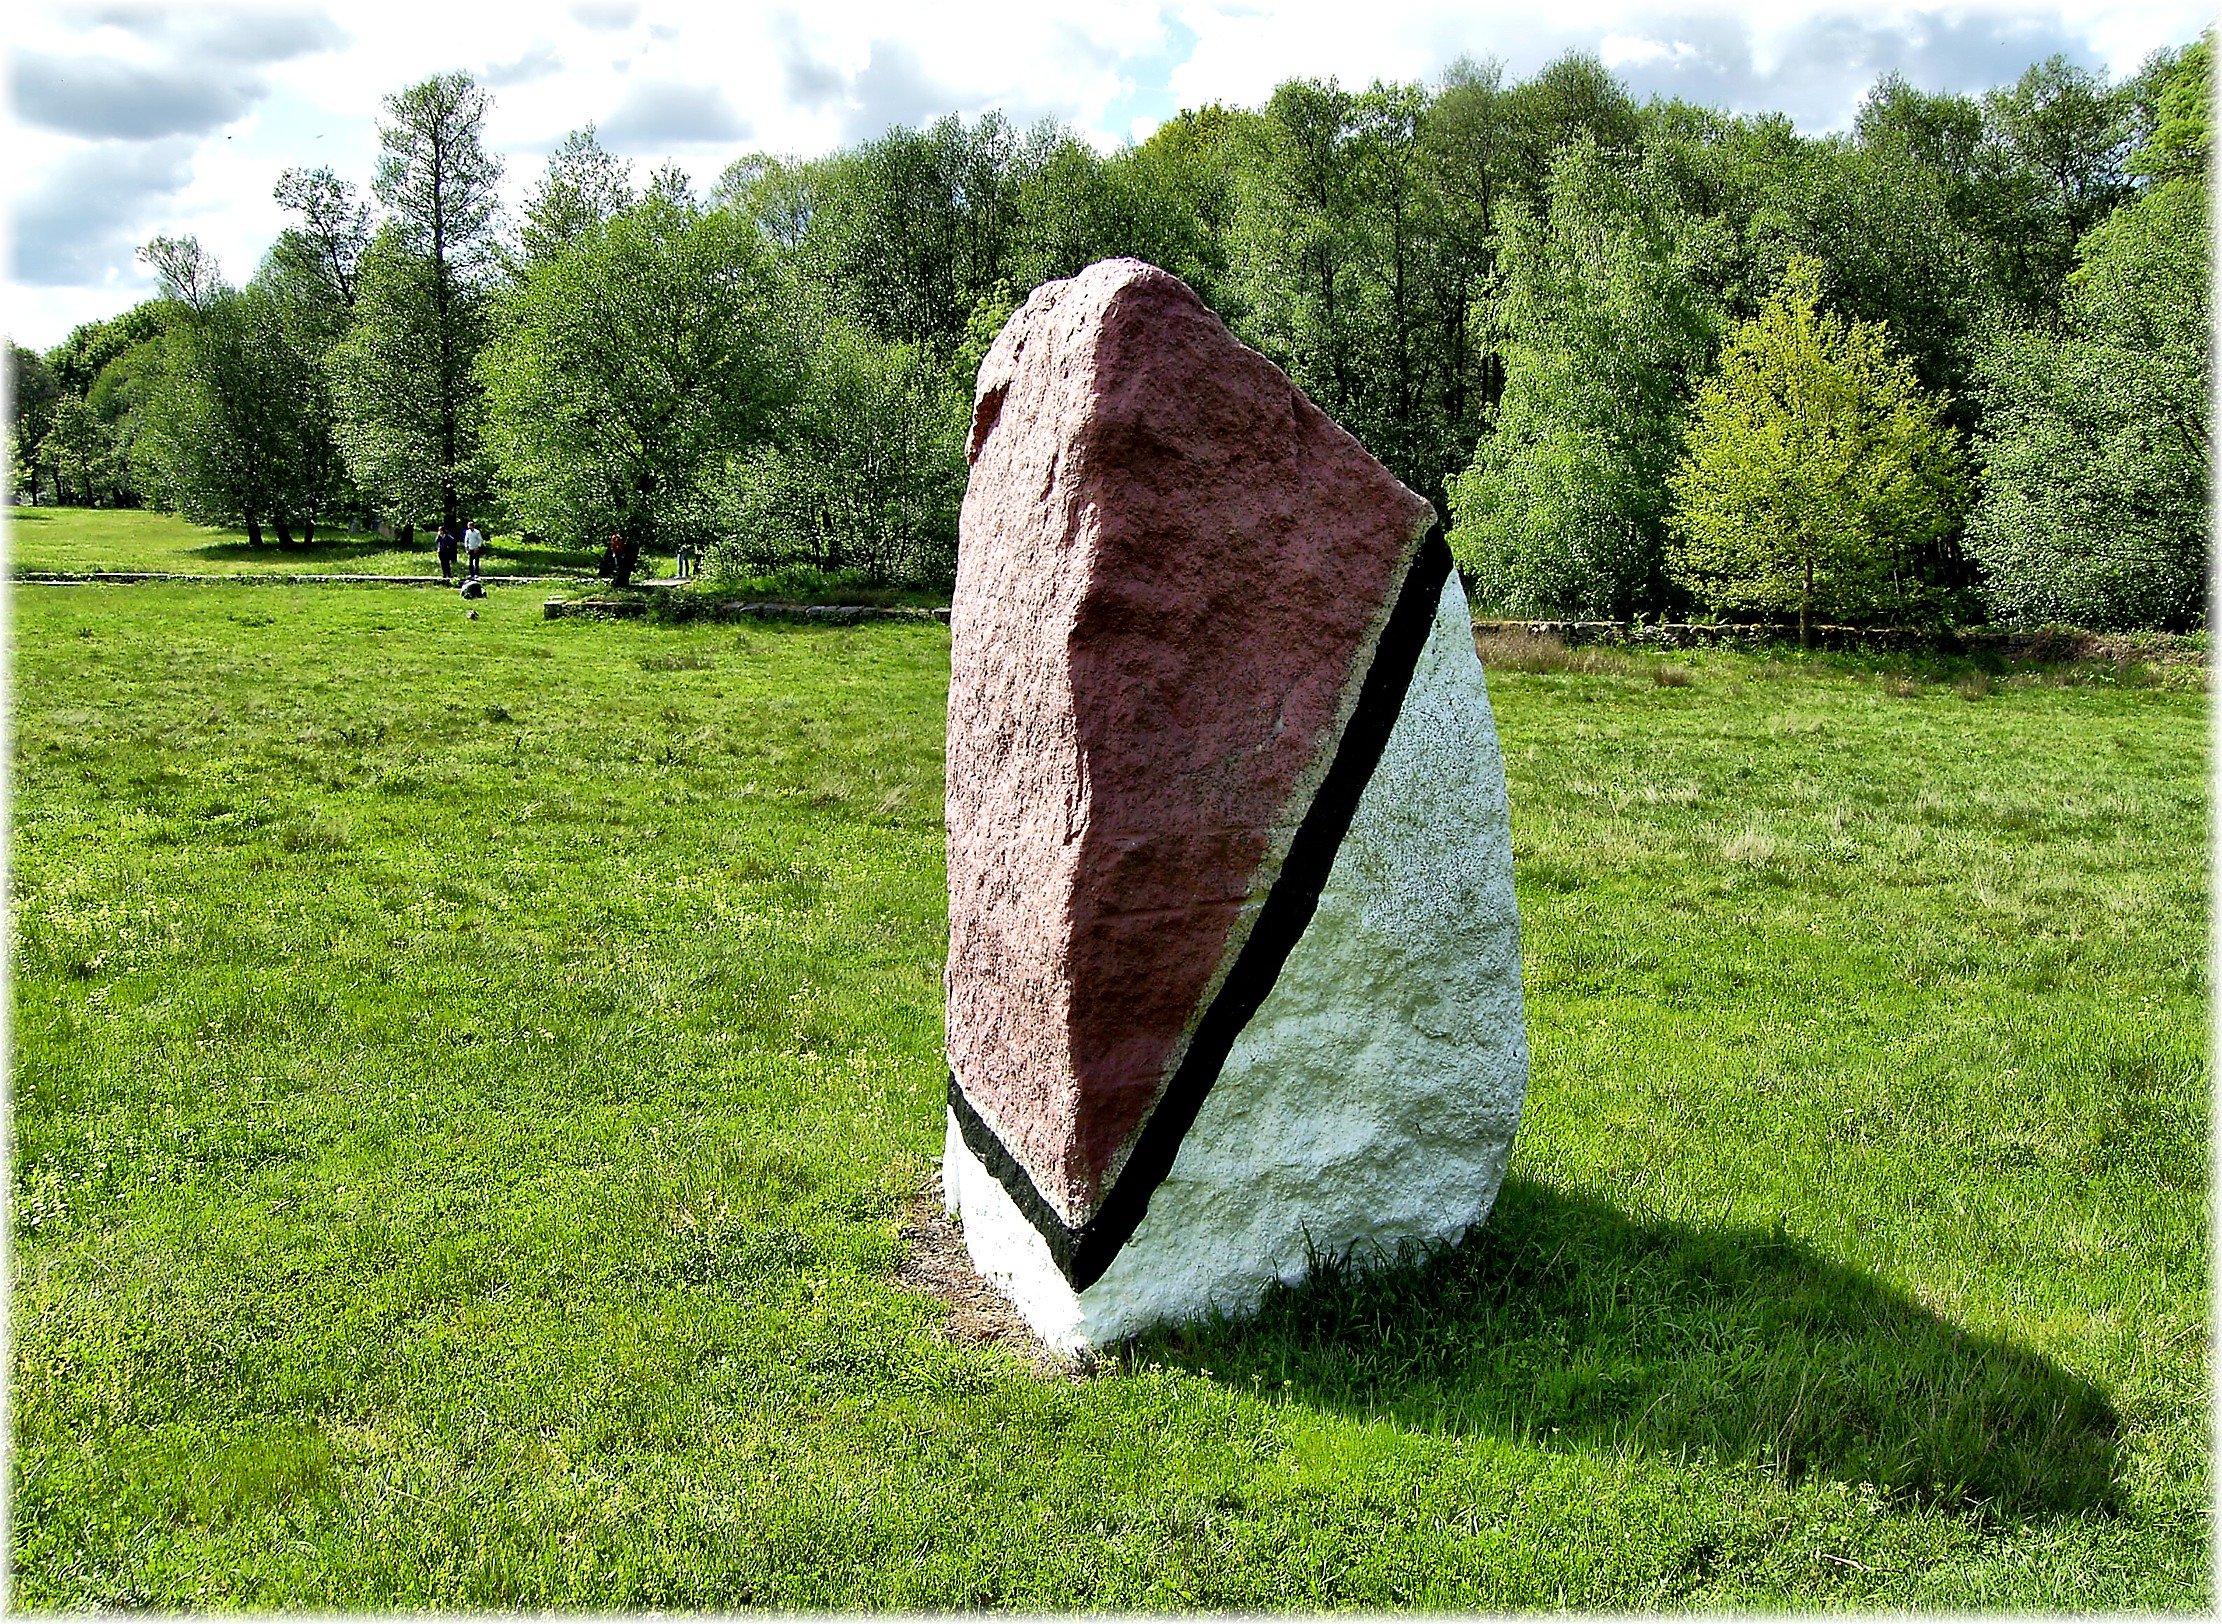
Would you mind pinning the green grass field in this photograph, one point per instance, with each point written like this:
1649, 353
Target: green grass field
470, 1078
140, 540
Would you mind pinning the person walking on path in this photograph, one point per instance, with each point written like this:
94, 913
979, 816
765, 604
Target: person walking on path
444, 545
474, 543
682, 562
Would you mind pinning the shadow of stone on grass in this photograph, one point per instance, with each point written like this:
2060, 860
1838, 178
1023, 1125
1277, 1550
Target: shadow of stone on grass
1566, 1322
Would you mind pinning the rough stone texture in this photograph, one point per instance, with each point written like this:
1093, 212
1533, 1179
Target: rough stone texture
1173, 568
1374, 1095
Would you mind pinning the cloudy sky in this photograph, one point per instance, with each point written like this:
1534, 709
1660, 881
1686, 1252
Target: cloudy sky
126, 120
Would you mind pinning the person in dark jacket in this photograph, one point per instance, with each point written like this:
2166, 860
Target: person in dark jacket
444, 545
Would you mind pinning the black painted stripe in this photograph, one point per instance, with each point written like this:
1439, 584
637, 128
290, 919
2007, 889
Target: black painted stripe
1082, 1254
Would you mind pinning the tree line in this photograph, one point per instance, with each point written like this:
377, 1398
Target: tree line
1647, 359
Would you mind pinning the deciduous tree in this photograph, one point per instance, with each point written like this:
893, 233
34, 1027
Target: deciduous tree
1352, 271
584, 185
1816, 469
33, 395
1604, 328
636, 362
80, 450
868, 469
237, 426
2097, 438
326, 247
404, 379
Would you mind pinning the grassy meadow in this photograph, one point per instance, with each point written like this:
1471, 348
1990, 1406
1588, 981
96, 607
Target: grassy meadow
140, 540
471, 1078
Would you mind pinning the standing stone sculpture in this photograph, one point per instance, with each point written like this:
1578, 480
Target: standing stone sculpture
1234, 974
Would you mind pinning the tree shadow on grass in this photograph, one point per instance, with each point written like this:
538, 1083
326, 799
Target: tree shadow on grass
507, 557
1568, 1323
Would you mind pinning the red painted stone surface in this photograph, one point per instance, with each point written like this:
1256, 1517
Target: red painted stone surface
1172, 572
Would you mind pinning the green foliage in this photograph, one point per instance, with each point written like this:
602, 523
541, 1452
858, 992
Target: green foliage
1882, 223
80, 449
435, 174
33, 395
867, 472
411, 410
2098, 435
123, 396
109, 369
326, 248
907, 233
1941, 131
1503, 288
584, 186
634, 363
779, 196
1573, 101
2181, 145
2057, 140
1816, 470
1193, 158
77, 360
1603, 326
239, 427
1077, 208
404, 377
1353, 270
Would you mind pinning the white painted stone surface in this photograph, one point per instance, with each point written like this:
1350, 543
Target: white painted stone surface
1374, 1096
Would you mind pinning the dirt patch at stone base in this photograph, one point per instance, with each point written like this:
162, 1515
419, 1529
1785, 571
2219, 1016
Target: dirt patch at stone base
935, 1264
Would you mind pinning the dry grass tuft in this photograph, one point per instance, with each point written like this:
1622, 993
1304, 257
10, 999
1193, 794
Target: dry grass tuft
1752, 846
1513, 648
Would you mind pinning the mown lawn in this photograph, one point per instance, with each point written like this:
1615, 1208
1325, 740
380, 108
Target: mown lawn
137, 539
470, 1078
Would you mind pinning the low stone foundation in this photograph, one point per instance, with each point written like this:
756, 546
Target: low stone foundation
2045, 645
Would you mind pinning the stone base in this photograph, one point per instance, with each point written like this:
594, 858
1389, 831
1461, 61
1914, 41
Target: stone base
1372, 1099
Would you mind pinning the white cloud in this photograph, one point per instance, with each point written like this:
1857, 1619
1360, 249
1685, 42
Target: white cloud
105, 99
80, 222
657, 115
607, 17
539, 61
1619, 51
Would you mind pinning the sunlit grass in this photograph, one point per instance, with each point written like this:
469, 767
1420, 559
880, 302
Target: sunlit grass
470, 1075
139, 540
